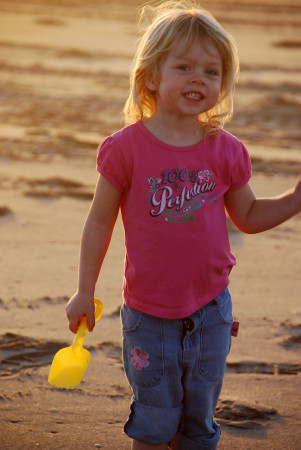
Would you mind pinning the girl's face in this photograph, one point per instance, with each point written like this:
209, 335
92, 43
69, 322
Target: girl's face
189, 80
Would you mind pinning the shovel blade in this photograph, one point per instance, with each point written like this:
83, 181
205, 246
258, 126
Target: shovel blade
68, 367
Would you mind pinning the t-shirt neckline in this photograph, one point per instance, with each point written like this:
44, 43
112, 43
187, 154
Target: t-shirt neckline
174, 148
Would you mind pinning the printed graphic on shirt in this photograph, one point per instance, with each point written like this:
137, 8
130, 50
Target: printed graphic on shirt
178, 193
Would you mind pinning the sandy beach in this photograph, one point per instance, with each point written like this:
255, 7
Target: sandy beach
63, 81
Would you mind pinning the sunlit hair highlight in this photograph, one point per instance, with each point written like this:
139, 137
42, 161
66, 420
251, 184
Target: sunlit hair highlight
164, 26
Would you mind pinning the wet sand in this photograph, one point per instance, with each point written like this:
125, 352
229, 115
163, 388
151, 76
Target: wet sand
64, 79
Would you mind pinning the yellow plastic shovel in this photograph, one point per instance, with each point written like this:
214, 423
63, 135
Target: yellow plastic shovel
69, 364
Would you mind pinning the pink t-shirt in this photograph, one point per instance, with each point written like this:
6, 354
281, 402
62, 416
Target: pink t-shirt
178, 254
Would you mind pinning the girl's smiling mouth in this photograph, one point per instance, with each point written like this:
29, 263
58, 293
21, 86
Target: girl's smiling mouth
194, 95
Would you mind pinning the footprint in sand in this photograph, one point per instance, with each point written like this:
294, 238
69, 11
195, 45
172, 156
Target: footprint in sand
292, 341
5, 212
20, 352
243, 416
112, 350
263, 368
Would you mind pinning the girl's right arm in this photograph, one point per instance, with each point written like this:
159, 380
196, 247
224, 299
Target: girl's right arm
95, 241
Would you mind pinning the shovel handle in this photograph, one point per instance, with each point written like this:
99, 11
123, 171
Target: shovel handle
83, 328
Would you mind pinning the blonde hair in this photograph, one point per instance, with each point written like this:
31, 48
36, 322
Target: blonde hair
170, 22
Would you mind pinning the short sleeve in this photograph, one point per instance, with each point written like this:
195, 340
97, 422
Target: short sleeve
111, 164
242, 169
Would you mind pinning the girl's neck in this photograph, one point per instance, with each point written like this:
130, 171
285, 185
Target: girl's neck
173, 133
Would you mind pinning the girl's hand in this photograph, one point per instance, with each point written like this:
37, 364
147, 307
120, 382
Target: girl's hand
80, 305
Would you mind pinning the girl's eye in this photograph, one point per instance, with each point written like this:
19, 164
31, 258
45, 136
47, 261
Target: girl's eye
212, 72
183, 67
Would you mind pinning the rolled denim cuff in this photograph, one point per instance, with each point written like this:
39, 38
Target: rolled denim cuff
152, 425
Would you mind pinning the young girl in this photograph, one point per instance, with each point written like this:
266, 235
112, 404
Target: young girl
172, 171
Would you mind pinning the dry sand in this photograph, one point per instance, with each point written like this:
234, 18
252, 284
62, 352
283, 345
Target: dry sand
64, 78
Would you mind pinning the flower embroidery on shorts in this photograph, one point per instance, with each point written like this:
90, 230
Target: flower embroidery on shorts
139, 358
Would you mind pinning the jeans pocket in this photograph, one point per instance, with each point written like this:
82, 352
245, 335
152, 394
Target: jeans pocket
216, 337
130, 318
224, 306
142, 348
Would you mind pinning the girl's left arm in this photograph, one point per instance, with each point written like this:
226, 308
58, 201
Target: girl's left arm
253, 215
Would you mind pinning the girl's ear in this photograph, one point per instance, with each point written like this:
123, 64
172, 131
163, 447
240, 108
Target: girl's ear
150, 81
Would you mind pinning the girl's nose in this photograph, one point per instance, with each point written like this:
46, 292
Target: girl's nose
198, 77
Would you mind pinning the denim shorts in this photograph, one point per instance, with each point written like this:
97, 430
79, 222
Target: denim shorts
176, 368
